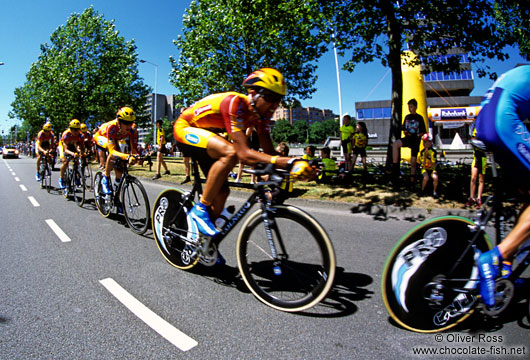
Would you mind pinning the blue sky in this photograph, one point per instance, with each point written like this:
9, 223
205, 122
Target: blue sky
25, 24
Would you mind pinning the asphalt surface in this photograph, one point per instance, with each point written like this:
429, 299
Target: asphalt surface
55, 304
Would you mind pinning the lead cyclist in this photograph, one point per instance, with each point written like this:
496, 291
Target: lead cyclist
502, 125
197, 129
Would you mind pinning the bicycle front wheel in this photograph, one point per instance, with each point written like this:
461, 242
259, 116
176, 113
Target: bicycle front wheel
429, 282
297, 270
78, 187
171, 230
103, 201
67, 182
135, 205
88, 175
47, 178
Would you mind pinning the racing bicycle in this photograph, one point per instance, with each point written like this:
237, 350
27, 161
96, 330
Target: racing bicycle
45, 172
284, 255
129, 197
74, 181
430, 282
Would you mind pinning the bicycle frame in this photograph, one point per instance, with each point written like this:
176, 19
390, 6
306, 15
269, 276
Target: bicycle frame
258, 194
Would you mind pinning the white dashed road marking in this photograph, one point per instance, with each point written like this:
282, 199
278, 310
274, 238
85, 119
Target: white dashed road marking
57, 230
23, 187
161, 326
33, 201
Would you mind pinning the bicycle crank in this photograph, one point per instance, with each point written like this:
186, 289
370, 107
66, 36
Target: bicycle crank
504, 291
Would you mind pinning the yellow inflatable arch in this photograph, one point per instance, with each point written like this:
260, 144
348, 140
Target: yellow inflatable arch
413, 88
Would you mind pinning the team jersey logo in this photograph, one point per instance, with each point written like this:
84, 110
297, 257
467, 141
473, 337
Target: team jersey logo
192, 138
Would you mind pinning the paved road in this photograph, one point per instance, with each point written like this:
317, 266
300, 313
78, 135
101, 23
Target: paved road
59, 297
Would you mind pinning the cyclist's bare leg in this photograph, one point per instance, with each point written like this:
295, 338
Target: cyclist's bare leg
225, 153
39, 155
64, 165
517, 236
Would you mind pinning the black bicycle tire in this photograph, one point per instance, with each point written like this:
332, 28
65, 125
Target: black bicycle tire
324, 270
98, 193
79, 200
168, 212
131, 182
416, 315
48, 178
90, 177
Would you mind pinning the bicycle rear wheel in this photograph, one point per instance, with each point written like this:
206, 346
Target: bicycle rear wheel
103, 201
170, 229
47, 178
302, 271
135, 205
78, 187
427, 256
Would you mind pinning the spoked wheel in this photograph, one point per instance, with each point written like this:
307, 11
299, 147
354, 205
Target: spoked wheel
299, 272
103, 201
135, 205
89, 178
430, 281
78, 187
171, 229
46, 178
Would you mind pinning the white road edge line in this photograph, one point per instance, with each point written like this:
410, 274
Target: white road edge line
57, 230
33, 201
23, 187
161, 326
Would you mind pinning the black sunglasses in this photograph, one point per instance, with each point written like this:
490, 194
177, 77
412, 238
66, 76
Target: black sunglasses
271, 97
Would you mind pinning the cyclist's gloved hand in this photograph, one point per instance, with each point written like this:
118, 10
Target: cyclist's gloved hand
132, 160
301, 170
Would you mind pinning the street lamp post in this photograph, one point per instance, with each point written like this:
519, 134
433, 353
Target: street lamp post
154, 113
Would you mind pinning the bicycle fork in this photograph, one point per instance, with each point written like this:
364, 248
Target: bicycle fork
270, 226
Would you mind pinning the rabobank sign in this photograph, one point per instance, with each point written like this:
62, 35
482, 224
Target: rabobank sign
453, 114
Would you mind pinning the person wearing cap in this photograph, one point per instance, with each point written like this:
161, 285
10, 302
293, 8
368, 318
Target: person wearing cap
108, 139
71, 144
427, 163
44, 145
233, 113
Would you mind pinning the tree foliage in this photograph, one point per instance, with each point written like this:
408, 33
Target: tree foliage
513, 17
384, 30
87, 71
225, 40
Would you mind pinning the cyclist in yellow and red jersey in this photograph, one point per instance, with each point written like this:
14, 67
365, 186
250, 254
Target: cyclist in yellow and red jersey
71, 143
196, 133
88, 139
108, 138
45, 145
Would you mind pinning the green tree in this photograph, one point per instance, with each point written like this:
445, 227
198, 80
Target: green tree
385, 29
87, 71
225, 40
300, 131
282, 131
513, 18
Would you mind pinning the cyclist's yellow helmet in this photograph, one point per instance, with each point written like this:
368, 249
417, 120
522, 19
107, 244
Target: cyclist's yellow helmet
84, 128
75, 124
126, 114
267, 78
47, 127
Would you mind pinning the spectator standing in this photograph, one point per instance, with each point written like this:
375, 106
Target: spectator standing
414, 128
162, 149
360, 141
478, 171
346, 135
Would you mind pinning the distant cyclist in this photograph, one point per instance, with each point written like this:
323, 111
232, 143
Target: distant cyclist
71, 144
88, 140
110, 136
196, 133
45, 145
502, 125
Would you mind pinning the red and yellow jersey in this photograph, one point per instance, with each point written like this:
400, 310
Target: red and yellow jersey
109, 136
225, 111
46, 139
70, 139
360, 140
